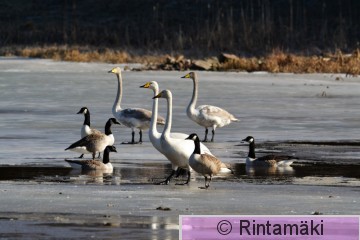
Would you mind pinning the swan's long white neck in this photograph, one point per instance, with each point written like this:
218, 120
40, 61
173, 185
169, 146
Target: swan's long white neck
116, 106
153, 130
191, 107
168, 123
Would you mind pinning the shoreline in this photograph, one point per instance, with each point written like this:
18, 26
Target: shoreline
275, 62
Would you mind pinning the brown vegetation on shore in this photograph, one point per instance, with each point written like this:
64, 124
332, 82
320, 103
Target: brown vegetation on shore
276, 62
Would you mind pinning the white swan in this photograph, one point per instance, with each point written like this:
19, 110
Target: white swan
154, 135
131, 117
178, 151
206, 115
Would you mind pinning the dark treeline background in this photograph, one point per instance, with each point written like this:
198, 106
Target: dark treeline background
200, 27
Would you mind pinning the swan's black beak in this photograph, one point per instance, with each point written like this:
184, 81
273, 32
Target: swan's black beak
110, 71
157, 96
79, 112
186, 76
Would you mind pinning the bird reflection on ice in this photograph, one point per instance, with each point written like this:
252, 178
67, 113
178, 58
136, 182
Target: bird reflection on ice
271, 170
91, 176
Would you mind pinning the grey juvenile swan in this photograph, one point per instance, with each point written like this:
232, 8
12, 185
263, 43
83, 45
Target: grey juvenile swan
131, 117
206, 115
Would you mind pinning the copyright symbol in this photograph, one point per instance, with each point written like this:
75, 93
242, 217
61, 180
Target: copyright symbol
224, 227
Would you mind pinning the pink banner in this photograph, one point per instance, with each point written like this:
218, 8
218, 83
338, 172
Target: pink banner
270, 227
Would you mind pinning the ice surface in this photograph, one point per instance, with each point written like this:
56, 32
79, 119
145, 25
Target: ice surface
312, 116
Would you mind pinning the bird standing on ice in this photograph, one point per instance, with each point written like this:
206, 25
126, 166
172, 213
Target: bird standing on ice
203, 163
206, 115
95, 142
131, 117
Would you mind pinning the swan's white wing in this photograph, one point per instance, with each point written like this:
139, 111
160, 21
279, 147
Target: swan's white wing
209, 111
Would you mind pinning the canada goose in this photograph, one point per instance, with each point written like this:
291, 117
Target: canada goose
206, 115
105, 165
154, 135
268, 160
203, 163
85, 129
131, 117
95, 142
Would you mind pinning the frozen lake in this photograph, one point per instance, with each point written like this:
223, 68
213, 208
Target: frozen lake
316, 117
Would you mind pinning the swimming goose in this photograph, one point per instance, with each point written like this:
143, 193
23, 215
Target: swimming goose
95, 142
203, 163
105, 165
154, 135
268, 160
85, 129
131, 117
206, 115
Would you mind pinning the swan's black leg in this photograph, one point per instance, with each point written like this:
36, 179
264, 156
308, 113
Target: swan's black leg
188, 178
167, 180
179, 172
133, 137
140, 133
213, 135
206, 133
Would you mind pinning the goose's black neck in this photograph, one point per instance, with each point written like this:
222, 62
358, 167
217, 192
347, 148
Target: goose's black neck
87, 118
106, 158
251, 150
108, 127
197, 146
